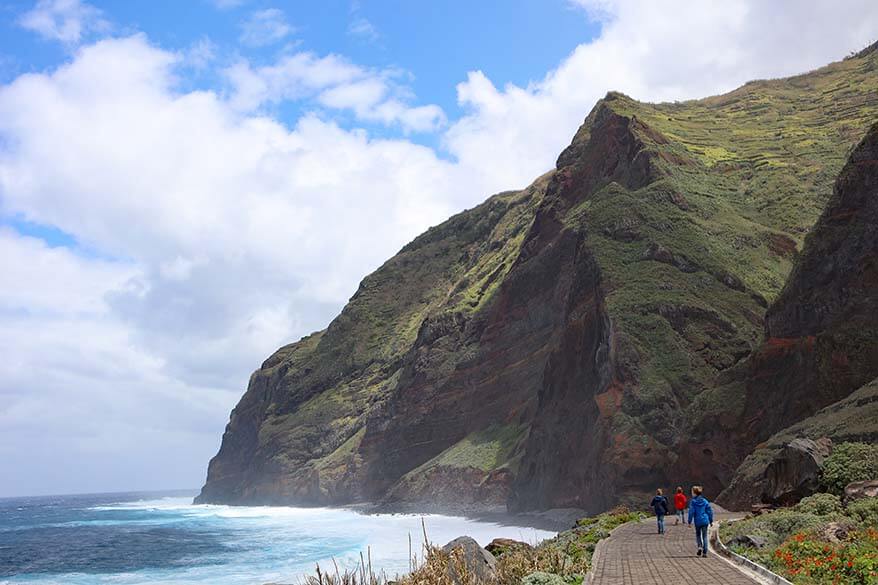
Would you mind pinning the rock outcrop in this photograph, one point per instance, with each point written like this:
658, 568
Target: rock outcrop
795, 471
577, 343
469, 561
859, 490
501, 546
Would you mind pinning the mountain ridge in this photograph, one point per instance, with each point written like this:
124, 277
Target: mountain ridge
561, 346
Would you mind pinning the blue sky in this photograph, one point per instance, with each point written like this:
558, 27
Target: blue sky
187, 185
435, 44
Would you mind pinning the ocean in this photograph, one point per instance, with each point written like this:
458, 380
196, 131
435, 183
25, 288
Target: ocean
152, 538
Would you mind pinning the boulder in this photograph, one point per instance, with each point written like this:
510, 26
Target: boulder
795, 471
748, 540
500, 546
858, 490
477, 563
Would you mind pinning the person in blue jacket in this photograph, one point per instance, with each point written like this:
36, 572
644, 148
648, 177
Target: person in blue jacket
660, 504
701, 514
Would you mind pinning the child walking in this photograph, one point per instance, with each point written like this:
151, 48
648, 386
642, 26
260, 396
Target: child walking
701, 514
680, 502
660, 504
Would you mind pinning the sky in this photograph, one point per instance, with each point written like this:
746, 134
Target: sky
186, 185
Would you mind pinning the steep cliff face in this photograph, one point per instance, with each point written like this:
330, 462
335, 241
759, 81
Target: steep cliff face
560, 346
822, 332
304, 428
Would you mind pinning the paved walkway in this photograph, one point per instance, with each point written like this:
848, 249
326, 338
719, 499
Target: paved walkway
636, 555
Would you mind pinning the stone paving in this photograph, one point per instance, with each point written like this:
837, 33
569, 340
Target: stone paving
636, 555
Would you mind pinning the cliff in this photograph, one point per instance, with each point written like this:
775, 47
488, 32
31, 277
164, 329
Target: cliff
572, 344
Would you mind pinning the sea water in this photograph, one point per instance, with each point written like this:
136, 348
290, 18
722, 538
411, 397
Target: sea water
128, 539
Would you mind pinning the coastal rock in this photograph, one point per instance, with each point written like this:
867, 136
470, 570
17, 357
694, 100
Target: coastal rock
469, 559
859, 490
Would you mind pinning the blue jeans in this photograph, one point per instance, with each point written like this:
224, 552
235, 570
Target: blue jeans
701, 537
660, 518
681, 515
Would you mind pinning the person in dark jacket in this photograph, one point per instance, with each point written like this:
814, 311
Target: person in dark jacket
700, 514
660, 505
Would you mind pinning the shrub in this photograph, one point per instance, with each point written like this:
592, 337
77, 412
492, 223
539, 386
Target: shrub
865, 512
804, 559
775, 526
540, 578
849, 462
820, 504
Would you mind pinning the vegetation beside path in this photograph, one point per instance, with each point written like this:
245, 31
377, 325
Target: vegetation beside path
816, 541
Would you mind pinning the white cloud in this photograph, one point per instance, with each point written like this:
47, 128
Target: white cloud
236, 233
200, 54
245, 231
63, 20
78, 394
55, 281
361, 27
333, 82
265, 27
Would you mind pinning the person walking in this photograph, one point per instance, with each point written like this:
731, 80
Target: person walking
701, 514
660, 504
680, 502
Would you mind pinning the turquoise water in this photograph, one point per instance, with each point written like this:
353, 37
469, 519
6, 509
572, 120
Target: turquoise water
128, 539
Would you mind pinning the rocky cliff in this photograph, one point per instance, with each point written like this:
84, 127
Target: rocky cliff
576, 343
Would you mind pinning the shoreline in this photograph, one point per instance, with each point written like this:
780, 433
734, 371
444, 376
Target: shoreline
556, 520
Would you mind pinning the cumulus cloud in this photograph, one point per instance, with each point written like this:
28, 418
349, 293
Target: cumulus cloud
63, 20
333, 82
220, 233
245, 230
265, 27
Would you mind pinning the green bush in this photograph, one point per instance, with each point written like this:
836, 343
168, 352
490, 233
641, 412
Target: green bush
865, 512
849, 462
541, 578
775, 526
820, 504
